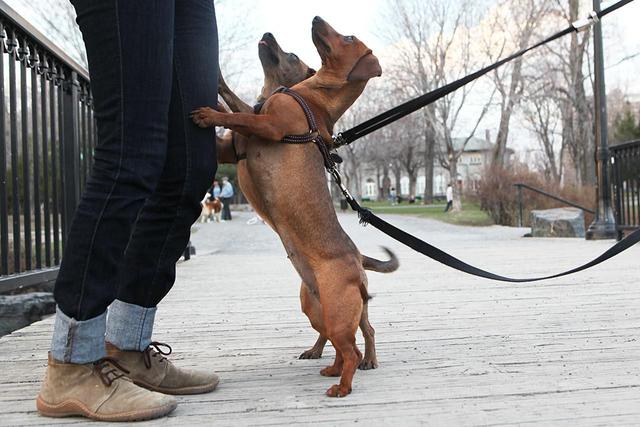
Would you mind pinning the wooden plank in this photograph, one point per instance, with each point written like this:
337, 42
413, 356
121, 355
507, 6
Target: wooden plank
453, 350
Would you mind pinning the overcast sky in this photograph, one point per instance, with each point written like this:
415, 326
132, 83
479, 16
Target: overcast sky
290, 22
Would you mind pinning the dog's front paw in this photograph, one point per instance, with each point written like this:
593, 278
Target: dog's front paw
367, 364
338, 391
331, 371
205, 117
312, 353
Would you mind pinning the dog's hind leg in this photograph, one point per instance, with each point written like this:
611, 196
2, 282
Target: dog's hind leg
315, 352
370, 360
342, 309
312, 308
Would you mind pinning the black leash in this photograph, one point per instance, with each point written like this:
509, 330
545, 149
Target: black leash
390, 116
368, 217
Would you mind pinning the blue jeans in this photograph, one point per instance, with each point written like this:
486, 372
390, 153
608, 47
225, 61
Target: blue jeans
151, 64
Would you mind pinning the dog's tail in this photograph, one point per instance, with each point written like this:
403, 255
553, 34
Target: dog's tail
373, 264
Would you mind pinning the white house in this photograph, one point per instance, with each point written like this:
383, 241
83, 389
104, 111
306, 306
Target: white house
471, 165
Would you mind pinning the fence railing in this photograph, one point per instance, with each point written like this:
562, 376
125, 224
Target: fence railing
626, 185
47, 135
521, 186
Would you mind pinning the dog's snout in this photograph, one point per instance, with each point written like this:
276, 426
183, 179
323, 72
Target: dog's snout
317, 20
268, 36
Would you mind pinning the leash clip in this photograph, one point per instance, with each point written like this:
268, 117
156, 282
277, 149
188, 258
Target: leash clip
584, 23
338, 140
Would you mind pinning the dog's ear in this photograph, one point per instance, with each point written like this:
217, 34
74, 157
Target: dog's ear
366, 68
310, 72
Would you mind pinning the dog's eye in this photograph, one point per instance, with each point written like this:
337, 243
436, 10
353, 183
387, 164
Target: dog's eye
293, 56
348, 39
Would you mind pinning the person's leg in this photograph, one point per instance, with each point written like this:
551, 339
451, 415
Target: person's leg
226, 210
163, 227
130, 50
129, 47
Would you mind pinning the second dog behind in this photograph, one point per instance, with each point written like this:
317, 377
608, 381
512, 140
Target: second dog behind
211, 210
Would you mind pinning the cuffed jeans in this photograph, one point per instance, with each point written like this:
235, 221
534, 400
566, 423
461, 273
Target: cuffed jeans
151, 64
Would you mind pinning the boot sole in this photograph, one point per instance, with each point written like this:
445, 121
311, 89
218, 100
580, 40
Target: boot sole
207, 388
71, 408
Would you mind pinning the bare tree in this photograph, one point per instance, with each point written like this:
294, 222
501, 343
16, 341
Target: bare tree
435, 46
512, 25
235, 34
541, 112
56, 20
410, 26
566, 67
359, 156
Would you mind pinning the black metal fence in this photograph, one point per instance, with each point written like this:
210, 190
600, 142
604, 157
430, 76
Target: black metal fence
626, 185
47, 135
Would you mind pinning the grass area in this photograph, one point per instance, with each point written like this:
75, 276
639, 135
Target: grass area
470, 215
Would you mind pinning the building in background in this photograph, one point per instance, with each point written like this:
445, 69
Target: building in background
471, 165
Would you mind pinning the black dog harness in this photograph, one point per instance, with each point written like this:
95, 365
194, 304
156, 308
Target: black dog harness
330, 159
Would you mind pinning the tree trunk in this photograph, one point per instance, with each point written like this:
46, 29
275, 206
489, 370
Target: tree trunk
397, 171
429, 153
453, 171
412, 185
582, 121
378, 183
513, 97
386, 182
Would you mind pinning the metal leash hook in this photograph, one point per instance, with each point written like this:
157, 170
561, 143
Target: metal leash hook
584, 23
338, 140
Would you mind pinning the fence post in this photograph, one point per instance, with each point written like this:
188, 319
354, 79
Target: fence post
70, 150
604, 224
520, 219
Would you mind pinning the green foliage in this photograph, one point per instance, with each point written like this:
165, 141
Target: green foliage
229, 171
626, 127
470, 215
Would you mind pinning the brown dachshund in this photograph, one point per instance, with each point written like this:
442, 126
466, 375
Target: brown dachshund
280, 69
286, 69
334, 292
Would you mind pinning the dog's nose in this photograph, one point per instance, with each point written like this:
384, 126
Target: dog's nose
318, 20
269, 36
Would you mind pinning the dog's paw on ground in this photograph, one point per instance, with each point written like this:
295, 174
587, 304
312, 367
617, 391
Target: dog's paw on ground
337, 391
311, 354
367, 364
331, 371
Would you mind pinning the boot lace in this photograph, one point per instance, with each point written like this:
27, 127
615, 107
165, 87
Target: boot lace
109, 370
154, 350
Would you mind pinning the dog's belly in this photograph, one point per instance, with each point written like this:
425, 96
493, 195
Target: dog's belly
286, 185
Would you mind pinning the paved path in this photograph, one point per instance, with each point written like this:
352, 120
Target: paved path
453, 349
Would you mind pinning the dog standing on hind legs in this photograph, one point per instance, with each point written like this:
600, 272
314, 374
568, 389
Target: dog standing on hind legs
324, 256
286, 69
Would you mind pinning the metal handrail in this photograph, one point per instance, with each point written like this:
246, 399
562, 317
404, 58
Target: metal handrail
625, 159
51, 47
46, 149
520, 186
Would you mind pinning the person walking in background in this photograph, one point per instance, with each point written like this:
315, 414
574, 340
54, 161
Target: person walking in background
393, 196
449, 198
151, 64
226, 196
214, 191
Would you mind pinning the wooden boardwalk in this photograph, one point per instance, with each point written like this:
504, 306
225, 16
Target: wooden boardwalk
453, 350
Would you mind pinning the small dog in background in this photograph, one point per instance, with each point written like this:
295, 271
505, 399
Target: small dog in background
211, 209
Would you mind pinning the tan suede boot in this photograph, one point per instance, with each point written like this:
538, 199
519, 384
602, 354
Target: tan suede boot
151, 370
99, 391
